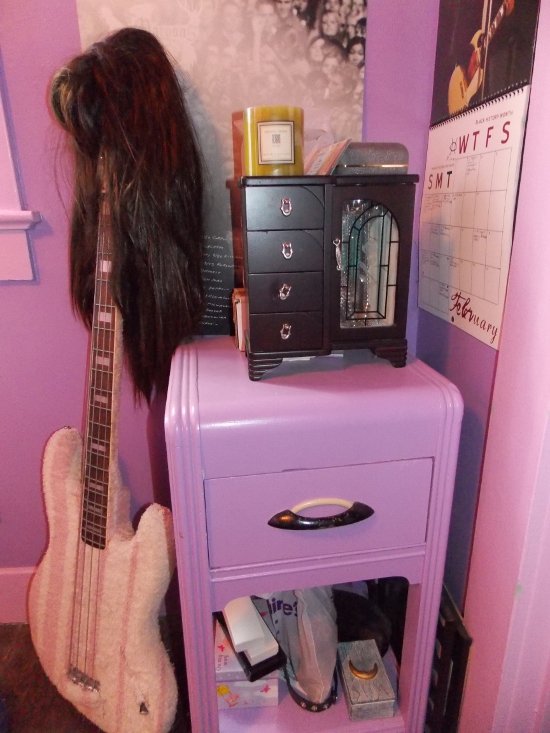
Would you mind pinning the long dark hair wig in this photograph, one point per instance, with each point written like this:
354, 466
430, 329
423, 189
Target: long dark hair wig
125, 114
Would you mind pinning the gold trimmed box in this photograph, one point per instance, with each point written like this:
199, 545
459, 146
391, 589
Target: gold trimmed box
367, 687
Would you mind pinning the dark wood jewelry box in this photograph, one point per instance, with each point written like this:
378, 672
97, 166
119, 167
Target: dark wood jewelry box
325, 264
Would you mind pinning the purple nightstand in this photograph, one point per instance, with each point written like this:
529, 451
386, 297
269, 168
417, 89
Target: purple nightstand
348, 426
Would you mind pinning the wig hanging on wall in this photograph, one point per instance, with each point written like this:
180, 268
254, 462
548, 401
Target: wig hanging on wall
125, 114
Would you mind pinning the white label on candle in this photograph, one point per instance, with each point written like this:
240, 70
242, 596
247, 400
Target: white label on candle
275, 142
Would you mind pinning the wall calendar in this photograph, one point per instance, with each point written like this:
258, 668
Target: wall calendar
467, 214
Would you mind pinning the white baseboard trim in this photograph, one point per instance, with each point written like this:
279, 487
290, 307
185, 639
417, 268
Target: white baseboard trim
14, 585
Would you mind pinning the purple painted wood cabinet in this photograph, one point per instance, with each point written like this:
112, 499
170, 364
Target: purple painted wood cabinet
348, 426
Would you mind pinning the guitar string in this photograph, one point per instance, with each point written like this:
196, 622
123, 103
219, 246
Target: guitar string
103, 254
105, 418
76, 617
80, 569
85, 611
83, 546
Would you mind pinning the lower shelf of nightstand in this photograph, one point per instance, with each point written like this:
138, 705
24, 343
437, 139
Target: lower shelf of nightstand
287, 717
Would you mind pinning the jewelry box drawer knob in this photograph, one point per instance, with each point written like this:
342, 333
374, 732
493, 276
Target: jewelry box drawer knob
286, 207
287, 250
284, 291
285, 331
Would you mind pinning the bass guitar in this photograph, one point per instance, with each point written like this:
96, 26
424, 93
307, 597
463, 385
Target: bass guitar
465, 83
94, 600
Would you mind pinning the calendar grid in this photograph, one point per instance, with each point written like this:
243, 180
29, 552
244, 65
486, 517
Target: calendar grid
467, 215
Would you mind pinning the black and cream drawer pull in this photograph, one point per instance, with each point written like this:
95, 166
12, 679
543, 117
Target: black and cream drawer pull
292, 519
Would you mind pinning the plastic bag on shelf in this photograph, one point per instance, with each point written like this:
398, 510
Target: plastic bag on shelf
304, 622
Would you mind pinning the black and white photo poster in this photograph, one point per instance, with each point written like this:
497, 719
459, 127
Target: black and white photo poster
235, 54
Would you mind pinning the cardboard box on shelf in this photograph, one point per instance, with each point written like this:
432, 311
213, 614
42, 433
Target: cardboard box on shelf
233, 688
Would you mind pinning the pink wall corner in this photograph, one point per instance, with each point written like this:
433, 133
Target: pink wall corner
511, 493
399, 67
43, 346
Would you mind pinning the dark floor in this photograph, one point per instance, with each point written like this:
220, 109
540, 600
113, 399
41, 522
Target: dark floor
34, 705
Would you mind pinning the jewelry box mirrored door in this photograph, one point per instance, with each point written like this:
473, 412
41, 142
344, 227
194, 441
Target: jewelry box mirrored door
370, 255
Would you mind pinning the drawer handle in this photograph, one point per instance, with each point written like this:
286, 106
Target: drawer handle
285, 331
338, 244
286, 207
287, 250
284, 291
291, 519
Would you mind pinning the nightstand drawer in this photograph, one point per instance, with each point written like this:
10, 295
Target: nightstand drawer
286, 331
285, 207
238, 510
285, 251
282, 292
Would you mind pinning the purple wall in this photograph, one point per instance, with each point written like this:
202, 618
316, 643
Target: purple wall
398, 93
470, 365
43, 347
399, 66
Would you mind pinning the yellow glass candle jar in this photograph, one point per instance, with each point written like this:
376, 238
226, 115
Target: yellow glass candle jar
273, 141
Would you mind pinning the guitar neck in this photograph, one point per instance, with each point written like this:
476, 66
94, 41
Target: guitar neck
100, 439
496, 21
481, 44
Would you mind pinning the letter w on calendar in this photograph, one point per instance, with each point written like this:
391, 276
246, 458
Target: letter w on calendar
467, 214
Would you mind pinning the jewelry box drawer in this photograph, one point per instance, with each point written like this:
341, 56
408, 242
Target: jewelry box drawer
285, 207
239, 508
281, 292
286, 331
285, 251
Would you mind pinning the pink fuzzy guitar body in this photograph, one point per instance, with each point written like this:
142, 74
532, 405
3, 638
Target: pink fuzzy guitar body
95, 598
122, 649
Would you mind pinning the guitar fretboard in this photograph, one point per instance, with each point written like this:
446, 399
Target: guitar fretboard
97, 442
496, 21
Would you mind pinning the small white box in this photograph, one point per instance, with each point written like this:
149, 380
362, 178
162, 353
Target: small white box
243, 623
233, 689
